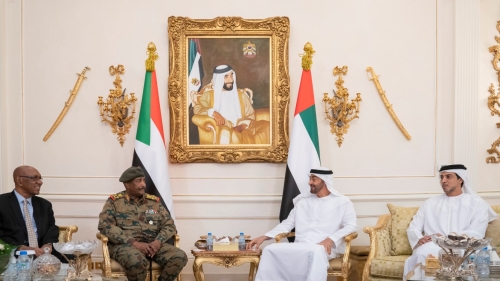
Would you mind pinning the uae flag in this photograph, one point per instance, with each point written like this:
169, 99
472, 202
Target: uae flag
303, 153
195, 78
195, 66
150, 153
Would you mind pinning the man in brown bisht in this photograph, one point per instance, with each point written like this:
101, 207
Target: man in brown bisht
138, 227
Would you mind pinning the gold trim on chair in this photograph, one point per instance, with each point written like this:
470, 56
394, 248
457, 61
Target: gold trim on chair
346, 263
68, 232
66, 235
382, 222
107, 262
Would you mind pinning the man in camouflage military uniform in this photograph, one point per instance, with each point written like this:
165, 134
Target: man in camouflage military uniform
138, 227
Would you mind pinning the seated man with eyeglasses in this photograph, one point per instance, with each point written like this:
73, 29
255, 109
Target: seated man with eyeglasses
27, 221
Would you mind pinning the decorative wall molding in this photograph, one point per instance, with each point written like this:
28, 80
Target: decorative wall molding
265, 199
12, 145
203, 217
467, 28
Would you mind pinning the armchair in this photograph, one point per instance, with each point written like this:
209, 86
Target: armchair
383, 263
211, 133
380, 248
340, 267
112, 269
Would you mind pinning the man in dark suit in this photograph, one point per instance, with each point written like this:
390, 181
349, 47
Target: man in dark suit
35, 230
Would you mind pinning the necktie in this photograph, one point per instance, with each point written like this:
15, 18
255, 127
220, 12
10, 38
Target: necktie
29, 226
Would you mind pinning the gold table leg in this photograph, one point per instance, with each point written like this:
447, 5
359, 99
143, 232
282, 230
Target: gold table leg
198, 269
254, 265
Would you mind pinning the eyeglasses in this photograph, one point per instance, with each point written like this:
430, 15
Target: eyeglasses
33, 178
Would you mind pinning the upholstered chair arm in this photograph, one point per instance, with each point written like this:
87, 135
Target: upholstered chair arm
283, 235
345, 259
377, 247
105, 254
208, 129
66, 233
262, 114
204, 121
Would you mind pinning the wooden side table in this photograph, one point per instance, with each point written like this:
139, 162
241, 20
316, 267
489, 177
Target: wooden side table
225, 259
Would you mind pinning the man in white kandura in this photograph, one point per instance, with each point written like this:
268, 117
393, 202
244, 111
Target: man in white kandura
321, 220
458, 210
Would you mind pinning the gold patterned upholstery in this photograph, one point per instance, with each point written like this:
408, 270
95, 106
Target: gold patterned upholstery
112, 269
340, 267
496, 208
400, 220
493, 230
389, 266
381, 264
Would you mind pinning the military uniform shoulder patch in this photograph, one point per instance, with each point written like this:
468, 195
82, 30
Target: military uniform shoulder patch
116, 196
152, 197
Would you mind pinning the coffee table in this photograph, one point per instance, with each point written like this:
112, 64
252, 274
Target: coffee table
420, 276
226, 259
95, 277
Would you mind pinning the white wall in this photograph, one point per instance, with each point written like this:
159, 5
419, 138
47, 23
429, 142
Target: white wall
411, 44
10, 82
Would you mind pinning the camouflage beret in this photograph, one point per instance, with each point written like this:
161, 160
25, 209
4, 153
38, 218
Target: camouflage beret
131, 173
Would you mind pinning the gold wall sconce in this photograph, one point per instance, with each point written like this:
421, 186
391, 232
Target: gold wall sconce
119, 108
338, 109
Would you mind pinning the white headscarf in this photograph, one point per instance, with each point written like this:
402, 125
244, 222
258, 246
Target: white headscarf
461, 171
231, 97
327, 176
324, 174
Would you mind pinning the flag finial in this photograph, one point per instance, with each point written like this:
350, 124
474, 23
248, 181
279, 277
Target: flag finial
152, 56
307, 56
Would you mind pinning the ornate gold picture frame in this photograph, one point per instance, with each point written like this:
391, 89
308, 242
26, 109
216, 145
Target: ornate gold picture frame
228, 89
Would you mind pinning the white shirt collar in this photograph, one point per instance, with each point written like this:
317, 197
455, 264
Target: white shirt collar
20, 198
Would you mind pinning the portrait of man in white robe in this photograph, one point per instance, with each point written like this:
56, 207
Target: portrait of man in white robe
459, 209
229, 92
322, 218
232, 110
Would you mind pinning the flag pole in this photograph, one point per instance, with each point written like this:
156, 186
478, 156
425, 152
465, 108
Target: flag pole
152, 57
307, 56
303, 151
150, 151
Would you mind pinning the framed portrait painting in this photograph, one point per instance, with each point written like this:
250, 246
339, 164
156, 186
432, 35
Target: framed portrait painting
228, 89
